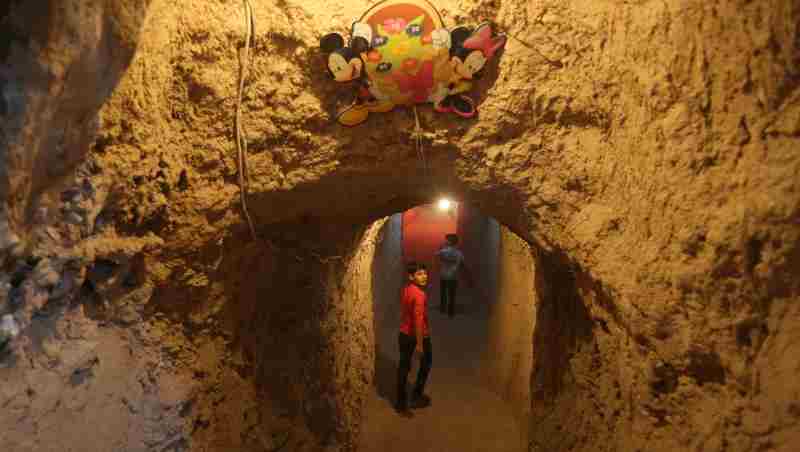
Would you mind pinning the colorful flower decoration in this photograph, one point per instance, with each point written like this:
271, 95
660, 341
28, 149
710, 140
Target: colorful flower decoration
400, 53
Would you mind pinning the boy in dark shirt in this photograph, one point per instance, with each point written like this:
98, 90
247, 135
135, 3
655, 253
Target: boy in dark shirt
414, 338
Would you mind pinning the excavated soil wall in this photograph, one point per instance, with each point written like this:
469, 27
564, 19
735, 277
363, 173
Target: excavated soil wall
512, 318
646, 150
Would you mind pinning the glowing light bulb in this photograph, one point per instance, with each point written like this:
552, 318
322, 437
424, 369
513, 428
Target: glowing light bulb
444, 204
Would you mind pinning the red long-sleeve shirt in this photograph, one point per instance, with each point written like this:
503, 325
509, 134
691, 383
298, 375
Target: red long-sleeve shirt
413, 306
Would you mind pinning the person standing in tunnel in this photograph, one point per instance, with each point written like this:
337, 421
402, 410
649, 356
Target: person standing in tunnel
451, 260
414, 338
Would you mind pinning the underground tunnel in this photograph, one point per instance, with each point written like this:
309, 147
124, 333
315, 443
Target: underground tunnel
482, 353
165, 287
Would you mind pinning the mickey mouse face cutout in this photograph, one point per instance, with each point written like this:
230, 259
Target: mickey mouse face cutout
344, 63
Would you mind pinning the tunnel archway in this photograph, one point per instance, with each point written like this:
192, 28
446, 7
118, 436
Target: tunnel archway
351, 249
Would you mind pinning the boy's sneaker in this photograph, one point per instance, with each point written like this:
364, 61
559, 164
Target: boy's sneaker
403, 412
421, 401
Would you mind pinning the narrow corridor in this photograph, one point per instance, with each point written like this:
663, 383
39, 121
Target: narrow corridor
465, 415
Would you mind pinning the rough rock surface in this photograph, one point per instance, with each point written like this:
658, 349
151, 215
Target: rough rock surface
512, 321
646, 150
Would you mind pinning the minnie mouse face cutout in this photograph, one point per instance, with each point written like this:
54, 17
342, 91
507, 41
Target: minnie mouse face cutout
471, 50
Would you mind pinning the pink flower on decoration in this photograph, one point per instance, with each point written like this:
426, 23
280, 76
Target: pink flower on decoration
394, 26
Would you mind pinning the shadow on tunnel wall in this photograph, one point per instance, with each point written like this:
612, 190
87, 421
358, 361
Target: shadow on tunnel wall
577, 382
562, 324
270, 320
277, 314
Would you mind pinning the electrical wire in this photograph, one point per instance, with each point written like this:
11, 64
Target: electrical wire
241, 139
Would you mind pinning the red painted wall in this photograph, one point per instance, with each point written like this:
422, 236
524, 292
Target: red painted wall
472, 231
424, 228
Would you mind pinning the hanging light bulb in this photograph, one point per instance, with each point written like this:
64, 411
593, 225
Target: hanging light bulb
444, 204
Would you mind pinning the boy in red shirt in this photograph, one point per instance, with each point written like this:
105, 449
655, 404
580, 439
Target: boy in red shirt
414, 338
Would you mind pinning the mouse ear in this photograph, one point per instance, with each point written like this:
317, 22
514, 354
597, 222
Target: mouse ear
359, 45
458, 35
361, 30
331, 42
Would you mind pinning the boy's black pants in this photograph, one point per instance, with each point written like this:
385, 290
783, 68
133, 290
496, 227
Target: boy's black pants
447, 295
407, 344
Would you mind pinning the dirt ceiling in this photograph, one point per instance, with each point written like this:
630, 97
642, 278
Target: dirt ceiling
646, 149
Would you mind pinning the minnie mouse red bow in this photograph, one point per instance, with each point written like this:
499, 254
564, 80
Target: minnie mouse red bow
482, 40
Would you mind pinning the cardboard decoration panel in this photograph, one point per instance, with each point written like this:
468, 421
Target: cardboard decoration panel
400, 53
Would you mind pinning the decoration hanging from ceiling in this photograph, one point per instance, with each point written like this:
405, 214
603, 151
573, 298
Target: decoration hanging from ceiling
400, 53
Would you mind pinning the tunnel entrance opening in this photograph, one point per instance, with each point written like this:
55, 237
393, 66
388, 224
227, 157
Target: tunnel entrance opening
482, 353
